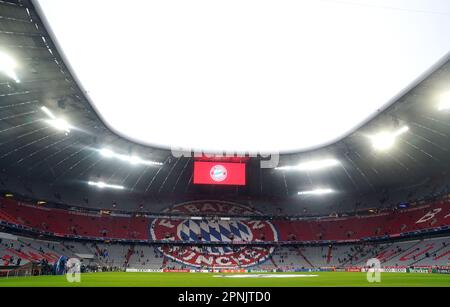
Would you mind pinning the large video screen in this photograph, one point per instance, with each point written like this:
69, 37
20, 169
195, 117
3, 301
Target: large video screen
218, 173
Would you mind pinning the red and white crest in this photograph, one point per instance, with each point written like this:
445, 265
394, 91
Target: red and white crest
218, 173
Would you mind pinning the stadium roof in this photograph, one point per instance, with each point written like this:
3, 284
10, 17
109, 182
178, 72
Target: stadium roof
227, 71
52, 138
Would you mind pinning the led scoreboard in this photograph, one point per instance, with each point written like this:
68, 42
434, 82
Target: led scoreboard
218, 173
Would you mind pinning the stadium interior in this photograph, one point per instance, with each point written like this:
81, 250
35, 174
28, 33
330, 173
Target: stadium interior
71, 187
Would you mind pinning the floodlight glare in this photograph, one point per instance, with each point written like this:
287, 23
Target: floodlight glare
102, 185
60, 124
316, 192
133, 160
57, 123
8, 66
312, 165
48, 112
107, 153
385, 140
444, 103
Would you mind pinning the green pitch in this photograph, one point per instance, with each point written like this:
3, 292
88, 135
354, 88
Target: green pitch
328, 279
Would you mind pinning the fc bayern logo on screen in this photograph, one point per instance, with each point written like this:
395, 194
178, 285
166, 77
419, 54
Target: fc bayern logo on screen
215, 229
218, 173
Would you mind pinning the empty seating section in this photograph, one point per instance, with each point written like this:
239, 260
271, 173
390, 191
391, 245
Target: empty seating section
419, 253
62, 222
72, 223
288, 259
354, 228
111, 255
146, 257
28, 250
7, 218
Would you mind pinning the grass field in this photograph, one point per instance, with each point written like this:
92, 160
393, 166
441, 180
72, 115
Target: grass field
323, 279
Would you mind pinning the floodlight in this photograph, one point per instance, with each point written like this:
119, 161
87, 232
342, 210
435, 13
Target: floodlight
8, 66
316, 192
57, 123
48, 112
60, 124
444, 102
385, 140
134, 160
102, 185
107, 153
312, 165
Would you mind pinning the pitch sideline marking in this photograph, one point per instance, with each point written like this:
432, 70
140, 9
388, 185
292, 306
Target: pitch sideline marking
266, 276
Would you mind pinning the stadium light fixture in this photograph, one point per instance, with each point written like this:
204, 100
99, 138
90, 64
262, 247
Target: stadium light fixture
48, 112
58, 123
312, 165
316, 192
8, 66
134, 160
444, 102
385, 140
107, 153
103, 185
